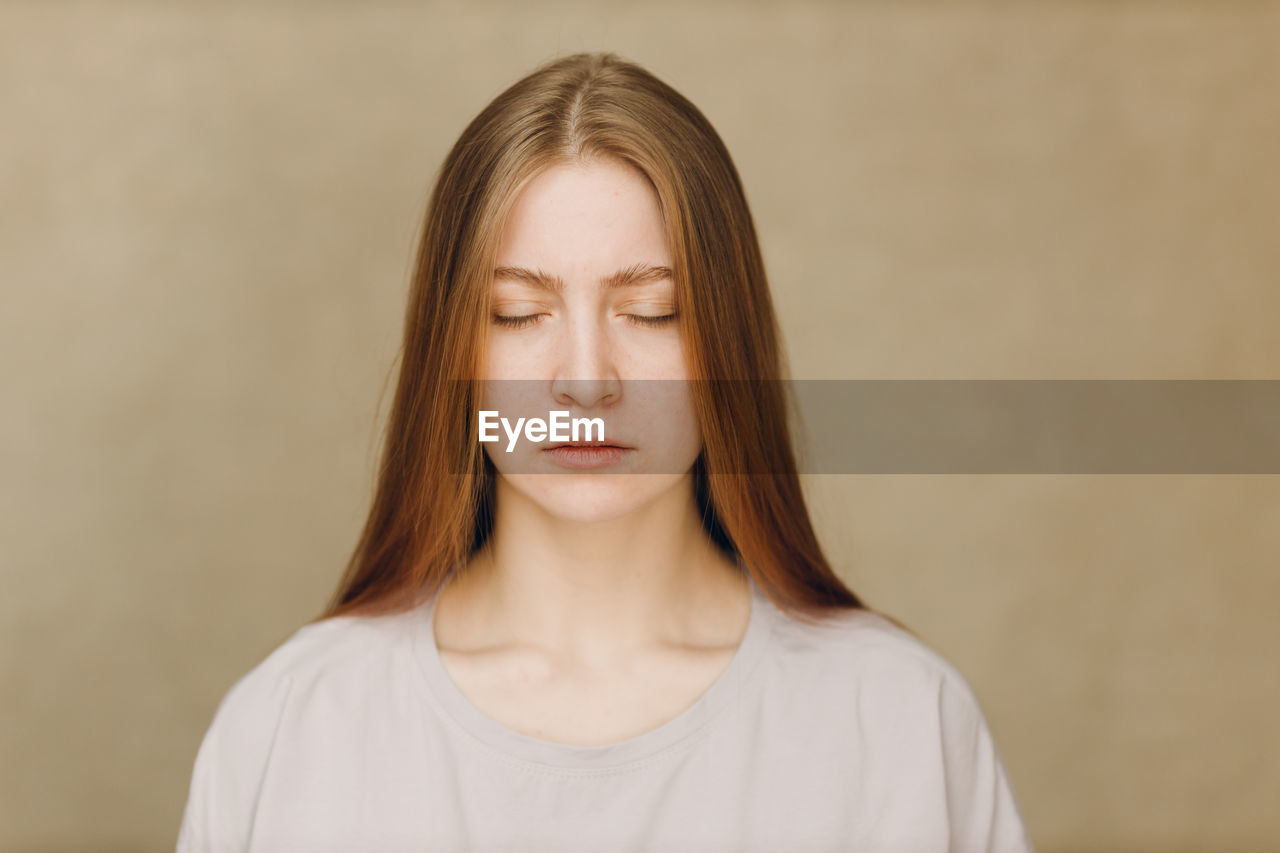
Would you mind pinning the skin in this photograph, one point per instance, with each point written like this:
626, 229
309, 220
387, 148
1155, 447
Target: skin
599, 609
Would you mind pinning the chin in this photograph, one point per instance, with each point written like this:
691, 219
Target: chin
587, 498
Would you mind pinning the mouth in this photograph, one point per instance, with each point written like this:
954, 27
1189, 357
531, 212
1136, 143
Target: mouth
589, 444
582, 455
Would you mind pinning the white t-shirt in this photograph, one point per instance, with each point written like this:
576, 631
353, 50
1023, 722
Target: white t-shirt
854, 736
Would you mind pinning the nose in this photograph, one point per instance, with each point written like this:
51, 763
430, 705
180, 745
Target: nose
586, 372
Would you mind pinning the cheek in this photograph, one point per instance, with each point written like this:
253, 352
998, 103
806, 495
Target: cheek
672, 422
498, 360
647, 357
522, 355
691, 430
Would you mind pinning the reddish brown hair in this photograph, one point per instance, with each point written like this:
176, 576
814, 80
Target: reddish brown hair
425, 518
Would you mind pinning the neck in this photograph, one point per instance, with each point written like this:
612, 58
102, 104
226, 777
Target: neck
596, 590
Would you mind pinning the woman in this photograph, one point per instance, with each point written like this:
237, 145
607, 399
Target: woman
627, 642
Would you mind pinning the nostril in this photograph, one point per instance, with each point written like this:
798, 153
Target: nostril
586, 393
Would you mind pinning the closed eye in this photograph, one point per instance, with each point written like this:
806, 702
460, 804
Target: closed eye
651, 320
518, 321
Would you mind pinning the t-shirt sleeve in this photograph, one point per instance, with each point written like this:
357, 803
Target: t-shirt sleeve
231, 764
984, 813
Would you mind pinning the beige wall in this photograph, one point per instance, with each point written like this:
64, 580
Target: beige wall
208, 211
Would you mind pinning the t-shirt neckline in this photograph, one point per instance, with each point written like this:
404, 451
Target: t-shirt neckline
725, 689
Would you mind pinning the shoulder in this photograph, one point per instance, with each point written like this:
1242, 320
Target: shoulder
885, 703
318, 671
330, 656
872, 684
315, 675
333, 654
865, 652
328, 647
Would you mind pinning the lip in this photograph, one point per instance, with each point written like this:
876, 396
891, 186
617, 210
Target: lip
591, 443
587, 454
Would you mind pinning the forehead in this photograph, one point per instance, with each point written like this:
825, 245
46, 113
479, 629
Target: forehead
584, 218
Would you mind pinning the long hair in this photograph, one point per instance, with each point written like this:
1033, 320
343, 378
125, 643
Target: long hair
433, 503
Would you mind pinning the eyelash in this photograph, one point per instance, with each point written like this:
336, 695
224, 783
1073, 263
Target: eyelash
520, 322
516, 322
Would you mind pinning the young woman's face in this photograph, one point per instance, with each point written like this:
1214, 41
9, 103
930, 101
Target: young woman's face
584, 321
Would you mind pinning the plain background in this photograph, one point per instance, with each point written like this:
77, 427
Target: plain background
208, 213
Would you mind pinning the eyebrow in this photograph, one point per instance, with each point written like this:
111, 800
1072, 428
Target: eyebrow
632, 275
